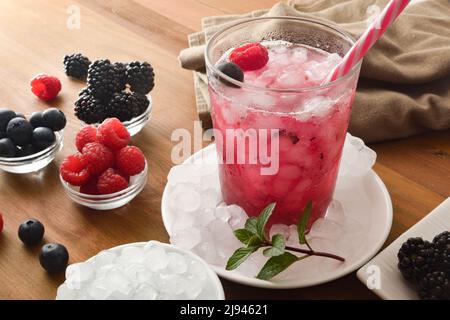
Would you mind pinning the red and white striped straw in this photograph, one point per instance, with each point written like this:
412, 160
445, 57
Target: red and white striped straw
368, 39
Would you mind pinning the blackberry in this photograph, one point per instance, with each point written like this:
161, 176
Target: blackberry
141, 105
443, 261
416, 258
140, 77
76, 66
126, 106
434, 286
442, 243
90, 109
84, 91
442, 240
121, 74
102, 80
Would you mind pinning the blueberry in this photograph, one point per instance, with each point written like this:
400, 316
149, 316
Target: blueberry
2, 134
54, 257
43, 138
31, 232
20, 115
27, 150
5, 116
19, 131
7, 148
233, 71
36, 120
54, 119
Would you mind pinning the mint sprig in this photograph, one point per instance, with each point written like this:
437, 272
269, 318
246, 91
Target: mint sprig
254, 237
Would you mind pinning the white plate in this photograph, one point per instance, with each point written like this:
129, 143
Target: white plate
368, 204
392, 285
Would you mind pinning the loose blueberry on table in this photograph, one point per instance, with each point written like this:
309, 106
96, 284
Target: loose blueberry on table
31, 232
54, 257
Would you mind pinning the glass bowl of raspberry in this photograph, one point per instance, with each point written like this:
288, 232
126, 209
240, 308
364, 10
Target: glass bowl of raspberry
107, 172
108, 201
33, 162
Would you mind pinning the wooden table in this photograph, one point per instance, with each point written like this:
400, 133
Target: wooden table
34, 38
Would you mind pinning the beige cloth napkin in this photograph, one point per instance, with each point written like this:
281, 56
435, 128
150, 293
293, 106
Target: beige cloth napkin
404, 87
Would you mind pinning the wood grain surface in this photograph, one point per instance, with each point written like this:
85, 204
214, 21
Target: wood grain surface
34, 38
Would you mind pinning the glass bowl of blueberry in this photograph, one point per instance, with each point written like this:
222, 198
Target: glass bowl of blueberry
113, 90
28, 145
106, 173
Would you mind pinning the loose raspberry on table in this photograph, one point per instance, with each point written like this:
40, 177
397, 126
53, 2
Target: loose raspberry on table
130, 161
98, 157
251, 56
86, 135
113, 134
45, 87
74, 170
90, 187
111, 181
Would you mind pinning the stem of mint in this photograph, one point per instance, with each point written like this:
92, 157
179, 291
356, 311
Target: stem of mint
254, 237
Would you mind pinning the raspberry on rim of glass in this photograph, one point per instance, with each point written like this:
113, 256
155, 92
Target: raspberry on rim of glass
250, 56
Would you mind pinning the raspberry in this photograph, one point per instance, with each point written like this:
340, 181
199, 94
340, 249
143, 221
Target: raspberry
45, 87
251, 56
111, 181
98, 157
1, 223
86, 135
130, 161
74, 170
90, 187
113, 134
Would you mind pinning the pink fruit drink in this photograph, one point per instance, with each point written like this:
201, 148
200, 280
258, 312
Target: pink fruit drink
312, 127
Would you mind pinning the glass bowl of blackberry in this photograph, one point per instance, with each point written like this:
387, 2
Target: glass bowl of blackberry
29, 144
114, 90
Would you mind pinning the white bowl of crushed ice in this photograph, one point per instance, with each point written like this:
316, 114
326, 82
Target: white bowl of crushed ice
141, 271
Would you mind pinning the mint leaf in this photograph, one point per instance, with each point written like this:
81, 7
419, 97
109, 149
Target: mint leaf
243, 235
277, 248
262, 220
239, 256
250, 224
301, 227
277, 264
254, 241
